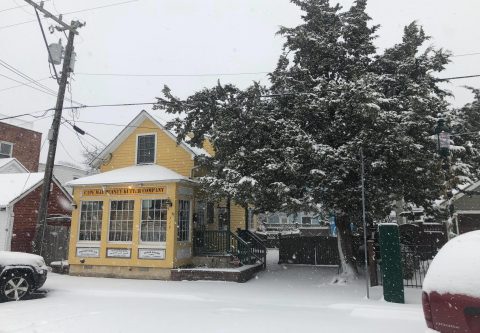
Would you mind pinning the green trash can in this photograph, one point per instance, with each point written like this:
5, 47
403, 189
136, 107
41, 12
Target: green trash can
392, 273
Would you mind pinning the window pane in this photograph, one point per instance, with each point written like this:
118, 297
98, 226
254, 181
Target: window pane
183, 233
145, 149
121, 221
90, 220
154, 221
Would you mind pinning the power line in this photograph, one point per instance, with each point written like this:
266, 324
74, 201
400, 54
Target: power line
20, 6
29, 79
46, 45
465, 54
24, 84
24, 76
28, 85
171, 75
459, 77
68, 13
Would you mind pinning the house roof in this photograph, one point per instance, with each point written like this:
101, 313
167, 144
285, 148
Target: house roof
8, 163
130, 128
14, 186
147, 173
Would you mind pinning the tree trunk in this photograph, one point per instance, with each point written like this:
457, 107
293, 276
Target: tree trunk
345, 248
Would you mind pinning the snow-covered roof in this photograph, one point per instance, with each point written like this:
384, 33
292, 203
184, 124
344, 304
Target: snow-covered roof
148, 173
11, 164
137, 121
456, 267
13, 185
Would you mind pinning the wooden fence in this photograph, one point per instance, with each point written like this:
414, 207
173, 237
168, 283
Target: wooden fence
309, 250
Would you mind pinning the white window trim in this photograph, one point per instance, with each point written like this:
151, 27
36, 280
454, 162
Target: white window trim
85, 243
136, 148
151, 245
190, 223
108, 227
11, 147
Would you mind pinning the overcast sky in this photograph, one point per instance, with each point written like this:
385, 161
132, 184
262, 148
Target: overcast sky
186, 39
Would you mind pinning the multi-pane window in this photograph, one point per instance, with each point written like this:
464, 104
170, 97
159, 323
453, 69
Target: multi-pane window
121, 221
154, 221
146, 149
90, 221
183, 220
6, 149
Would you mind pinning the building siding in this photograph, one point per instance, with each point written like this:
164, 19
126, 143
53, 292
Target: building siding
26, 144
168, 153
26, 215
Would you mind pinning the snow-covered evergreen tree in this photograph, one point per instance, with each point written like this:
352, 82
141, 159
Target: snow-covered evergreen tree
332, 95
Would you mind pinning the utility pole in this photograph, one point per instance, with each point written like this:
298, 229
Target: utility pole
364, 222
54, 130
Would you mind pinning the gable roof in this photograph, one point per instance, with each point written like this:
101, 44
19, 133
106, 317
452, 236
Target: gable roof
146, 173
7, 164
131, 127
14, 186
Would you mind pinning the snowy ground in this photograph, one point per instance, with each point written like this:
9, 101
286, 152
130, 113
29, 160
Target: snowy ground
282, 299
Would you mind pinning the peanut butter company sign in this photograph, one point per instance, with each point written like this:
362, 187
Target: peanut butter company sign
124, 191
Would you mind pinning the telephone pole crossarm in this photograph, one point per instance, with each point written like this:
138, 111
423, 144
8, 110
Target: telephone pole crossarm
73, 27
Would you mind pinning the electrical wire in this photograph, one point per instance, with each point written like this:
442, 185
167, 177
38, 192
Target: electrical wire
72, 12
172, 75
28, 78
46, 45
24, 84
28, 85
458, 77
18, 6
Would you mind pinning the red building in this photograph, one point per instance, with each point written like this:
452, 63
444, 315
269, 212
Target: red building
19, 200
21, 143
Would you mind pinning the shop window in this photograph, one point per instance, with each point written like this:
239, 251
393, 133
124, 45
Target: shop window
146, 149
91, 221
154, 221
6, 149
183, 220
121, 221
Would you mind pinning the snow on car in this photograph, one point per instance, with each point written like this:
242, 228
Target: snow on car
451, 290
20, 274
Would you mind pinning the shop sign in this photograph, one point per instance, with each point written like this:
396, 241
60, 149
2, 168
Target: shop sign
88, 252
151, 253
124, 191
119, 253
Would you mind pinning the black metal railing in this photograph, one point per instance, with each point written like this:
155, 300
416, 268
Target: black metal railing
257, 245
218, 242
416, 260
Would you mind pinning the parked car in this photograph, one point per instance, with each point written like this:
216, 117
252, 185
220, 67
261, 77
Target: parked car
451, 289
20, 274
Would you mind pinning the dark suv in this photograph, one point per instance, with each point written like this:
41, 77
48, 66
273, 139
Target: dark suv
20, 274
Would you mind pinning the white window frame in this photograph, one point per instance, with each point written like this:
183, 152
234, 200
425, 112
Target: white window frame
136, 148
190, 215
89, 242
11, 148
147, 244
110, 220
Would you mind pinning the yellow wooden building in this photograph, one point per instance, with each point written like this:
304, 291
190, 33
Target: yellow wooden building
137, 217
